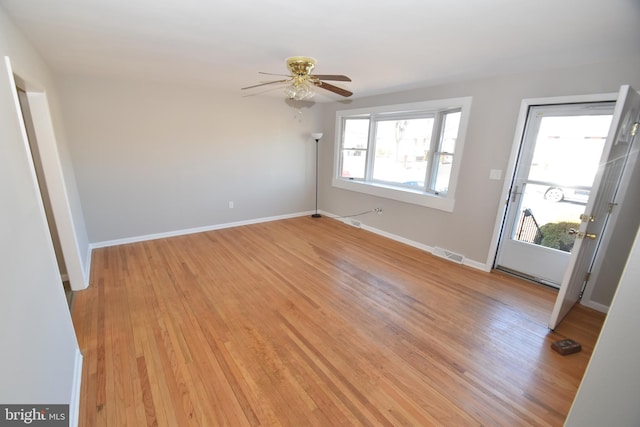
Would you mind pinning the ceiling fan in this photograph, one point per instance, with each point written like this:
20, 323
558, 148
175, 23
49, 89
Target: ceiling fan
302, 82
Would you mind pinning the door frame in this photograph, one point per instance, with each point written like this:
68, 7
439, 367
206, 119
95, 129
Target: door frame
542, 264
42, 185
47, 144
515, 152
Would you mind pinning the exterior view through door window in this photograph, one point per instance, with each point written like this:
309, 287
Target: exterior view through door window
564, 164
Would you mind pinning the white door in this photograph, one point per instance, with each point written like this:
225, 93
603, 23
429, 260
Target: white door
600, 204
559, 156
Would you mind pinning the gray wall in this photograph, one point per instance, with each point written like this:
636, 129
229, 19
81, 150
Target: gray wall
496, 103
39, 347
153, 158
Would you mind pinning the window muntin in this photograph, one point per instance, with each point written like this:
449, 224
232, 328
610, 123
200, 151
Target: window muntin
407, 152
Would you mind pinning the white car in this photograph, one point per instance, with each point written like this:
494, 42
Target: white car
559, 194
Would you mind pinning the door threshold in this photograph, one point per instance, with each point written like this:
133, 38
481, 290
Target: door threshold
528, 277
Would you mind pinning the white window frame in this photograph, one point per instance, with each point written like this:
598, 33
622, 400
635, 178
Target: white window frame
445, 202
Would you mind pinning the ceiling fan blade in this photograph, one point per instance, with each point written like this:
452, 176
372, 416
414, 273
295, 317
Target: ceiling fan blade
334, 89
263, 84
273, 74
334, 77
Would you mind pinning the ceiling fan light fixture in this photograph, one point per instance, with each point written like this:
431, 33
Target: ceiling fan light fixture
299, 91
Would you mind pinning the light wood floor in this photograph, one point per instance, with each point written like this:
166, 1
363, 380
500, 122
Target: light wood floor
309, 322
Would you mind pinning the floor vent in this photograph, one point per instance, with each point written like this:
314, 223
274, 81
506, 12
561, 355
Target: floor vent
451, 256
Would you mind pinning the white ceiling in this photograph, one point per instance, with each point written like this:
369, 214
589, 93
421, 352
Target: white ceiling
383, 46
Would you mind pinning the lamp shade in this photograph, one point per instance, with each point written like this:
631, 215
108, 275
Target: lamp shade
316, 135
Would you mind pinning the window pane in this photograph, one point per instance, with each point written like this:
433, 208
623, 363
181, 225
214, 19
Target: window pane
401, 151
353, 164
356, 133
450, 132
442, 173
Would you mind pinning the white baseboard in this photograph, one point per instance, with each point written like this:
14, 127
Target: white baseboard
477, 265
147, 237
595, 305
184, 232
468, 262
74, 404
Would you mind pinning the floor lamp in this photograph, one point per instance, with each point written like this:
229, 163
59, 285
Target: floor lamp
316, 136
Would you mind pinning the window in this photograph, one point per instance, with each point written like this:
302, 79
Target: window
405, 152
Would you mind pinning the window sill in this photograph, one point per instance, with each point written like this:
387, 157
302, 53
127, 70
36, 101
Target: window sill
402, 195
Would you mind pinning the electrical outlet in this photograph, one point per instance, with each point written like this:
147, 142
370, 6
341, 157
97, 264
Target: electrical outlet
378, 211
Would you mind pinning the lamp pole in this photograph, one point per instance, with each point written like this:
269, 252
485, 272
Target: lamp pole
316, 136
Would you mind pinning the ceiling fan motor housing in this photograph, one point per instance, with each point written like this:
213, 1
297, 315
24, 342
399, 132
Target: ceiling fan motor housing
301, 65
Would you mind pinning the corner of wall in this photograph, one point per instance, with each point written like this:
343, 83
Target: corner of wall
74, 404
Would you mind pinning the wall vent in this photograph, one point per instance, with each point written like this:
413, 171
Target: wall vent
451, 256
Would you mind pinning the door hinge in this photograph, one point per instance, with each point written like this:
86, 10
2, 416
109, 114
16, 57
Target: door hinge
634, 129
584, 285
611, 206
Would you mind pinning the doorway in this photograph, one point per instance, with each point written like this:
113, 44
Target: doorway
42, 186
557, 162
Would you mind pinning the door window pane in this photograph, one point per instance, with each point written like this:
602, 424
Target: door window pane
568, 149
564, 164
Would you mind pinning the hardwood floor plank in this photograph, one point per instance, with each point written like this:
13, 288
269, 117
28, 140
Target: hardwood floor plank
312, 322
147, 399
